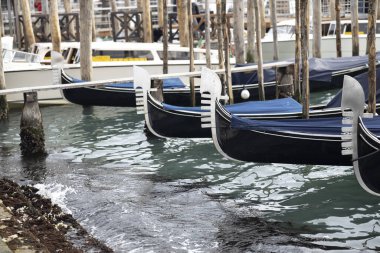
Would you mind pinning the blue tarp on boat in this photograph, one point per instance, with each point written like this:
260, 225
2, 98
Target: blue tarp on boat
169, 83
363, 80
320, 69
283, 105
321, 126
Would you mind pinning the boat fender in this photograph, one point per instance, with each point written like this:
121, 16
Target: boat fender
245, 94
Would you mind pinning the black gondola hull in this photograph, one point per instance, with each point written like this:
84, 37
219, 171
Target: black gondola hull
175, 124
277, 147
369, 158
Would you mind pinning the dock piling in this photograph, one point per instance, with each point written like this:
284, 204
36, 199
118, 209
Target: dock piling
31, 128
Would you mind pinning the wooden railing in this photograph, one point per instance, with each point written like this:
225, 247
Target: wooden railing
130, 26
199, 25
41, 28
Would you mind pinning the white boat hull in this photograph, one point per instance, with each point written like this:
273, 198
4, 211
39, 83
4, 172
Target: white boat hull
328, 47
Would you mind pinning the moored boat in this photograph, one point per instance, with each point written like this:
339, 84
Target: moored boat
161, 115
297, 141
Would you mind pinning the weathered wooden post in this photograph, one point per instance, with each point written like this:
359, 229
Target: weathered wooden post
226, 44
251, 32
31, 128
93, 26
304, 52
338, 35
86, 9
29, 35
147, 21
220, 34
354, 27
160, 14
1, 23
68, 9
182, 23
165, 36
332, 9
317, 28
260, 72
238, 11
191, 50
371, 36
263, 26
114, 9
3, 98
17, 26
54, 26
273, 18
297, 81
207, 34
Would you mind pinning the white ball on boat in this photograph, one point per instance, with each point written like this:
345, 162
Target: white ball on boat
245, 94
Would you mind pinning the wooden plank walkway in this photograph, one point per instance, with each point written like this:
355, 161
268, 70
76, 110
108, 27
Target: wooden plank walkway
124, 80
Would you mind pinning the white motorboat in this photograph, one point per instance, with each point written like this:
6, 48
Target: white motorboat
110, 60
286, 40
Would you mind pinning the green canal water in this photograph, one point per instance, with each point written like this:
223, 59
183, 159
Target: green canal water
140, 194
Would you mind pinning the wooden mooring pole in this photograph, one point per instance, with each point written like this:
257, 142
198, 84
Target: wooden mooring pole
273, 19
207, 34
226, 45
54, 26
251, 32
86, 10
191, 50
220, 42
297, 82
338, 36
3, 98
260, 72
355, 27
304, 9
317, 28
238, 11
31, 128
371, 37
28, 27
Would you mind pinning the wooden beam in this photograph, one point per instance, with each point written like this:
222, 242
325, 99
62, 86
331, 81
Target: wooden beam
260, 72
191, 51
147, 21
338, 35
355, 27
297, 81
54, 26
317, 28
165, 37
3, 98
251, 32
28, 28
371, 36
273, 18
304, 9
207, 34
238, 11
86, 10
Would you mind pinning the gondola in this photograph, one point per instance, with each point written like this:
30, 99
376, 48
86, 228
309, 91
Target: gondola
324, 74
123, 94
361, 143
161, 116
294, 141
